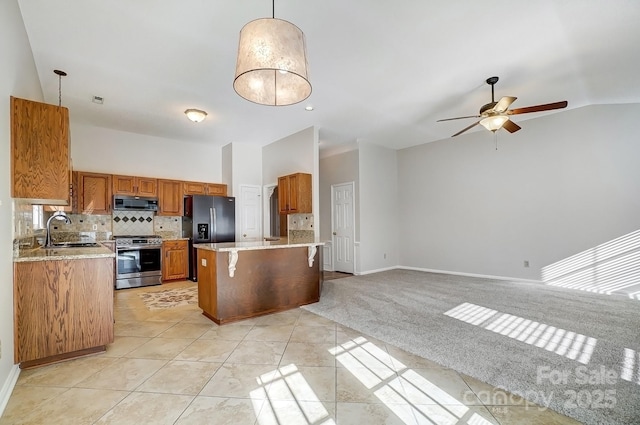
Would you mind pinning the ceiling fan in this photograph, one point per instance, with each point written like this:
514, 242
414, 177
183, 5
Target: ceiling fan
495, 115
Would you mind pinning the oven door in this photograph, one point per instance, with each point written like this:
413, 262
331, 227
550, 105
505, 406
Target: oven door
138, 262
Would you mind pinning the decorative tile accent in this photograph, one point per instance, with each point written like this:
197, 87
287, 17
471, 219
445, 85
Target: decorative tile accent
139, 223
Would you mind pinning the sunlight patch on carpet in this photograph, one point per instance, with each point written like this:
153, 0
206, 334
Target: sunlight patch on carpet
170, 298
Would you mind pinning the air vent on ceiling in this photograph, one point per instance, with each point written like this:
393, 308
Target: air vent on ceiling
97, 99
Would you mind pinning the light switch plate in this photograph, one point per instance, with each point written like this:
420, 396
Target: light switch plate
204, 262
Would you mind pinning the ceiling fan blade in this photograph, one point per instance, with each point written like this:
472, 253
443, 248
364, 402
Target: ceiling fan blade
466, 128
504, 103
459, 118
538, 108
511, 127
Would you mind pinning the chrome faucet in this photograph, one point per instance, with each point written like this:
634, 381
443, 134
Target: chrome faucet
58, 215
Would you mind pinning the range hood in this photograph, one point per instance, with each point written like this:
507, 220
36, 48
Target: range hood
134, 203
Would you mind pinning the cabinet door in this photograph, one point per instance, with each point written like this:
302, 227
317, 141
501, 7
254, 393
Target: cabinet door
40, 161
175, 260
293, 193
94, 193
215, 189
170, 197
123, 185
146, 186
194, 188
283, 194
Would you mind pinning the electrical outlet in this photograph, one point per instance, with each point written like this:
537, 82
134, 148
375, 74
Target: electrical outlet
526, 263
204, 262
94, 227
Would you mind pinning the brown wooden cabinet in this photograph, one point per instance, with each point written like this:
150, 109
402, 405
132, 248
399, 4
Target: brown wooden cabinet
170, 197
62, 309
40, 160
198, 188
175, 260
134, 186
294, 194
94, 192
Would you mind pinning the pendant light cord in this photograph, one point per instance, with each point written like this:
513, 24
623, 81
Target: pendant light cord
273, 9
59, 90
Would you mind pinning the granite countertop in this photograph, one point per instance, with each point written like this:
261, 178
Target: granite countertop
254, 245
48, 254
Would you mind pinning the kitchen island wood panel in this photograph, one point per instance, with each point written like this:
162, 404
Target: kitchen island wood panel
62, 309
264, 281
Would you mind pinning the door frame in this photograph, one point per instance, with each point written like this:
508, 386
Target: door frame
267, 191
353, 224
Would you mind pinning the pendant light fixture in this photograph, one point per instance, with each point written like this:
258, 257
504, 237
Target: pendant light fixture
272, 68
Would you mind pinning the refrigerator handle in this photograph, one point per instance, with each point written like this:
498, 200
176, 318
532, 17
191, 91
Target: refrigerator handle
214, 220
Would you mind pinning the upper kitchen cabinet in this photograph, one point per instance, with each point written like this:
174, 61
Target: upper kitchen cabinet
170, 197
94, 192
294, 193
135, 186
40, 161
197, 188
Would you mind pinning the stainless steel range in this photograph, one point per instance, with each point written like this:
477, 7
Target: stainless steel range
138, 261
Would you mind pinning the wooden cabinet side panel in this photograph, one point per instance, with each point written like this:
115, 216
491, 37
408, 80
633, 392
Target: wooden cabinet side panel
62, 307
40, 150
303, 193
207, 282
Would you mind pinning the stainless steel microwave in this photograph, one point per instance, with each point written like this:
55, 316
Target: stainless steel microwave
134, 203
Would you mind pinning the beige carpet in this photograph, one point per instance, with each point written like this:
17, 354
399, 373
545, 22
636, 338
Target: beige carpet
170, 298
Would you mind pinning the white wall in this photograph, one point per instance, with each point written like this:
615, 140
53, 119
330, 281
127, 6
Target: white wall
564, 183
227, 167
18, 77
297, 153
117, 152
244, 163
379, 213
341, 168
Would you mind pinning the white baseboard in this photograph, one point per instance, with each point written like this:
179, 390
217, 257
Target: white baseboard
376, 271
484, 276
7, 388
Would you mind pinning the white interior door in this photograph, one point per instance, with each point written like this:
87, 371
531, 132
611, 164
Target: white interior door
250, 213
343, 227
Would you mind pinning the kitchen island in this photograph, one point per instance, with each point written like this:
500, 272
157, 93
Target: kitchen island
239, 280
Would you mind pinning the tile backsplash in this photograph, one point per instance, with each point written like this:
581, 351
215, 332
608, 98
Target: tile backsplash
138, 223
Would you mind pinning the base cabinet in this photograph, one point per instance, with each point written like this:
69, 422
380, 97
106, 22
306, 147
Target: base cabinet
175, 260
62, 309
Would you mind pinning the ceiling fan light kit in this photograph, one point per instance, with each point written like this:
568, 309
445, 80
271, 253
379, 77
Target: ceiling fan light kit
495, 115
271, 67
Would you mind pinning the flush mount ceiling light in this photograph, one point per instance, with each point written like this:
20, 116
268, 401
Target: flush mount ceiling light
195, 115
272, 67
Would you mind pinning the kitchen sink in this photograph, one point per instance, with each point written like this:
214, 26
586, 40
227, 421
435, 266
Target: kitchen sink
75, 245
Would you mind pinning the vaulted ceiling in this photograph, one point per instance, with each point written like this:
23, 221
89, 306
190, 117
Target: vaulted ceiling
382, 72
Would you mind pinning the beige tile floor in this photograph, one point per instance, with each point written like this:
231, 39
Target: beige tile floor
174, 366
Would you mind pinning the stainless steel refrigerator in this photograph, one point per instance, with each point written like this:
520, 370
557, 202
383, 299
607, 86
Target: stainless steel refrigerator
207, 219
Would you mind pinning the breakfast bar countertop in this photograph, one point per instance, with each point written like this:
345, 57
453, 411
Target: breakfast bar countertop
254, 245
